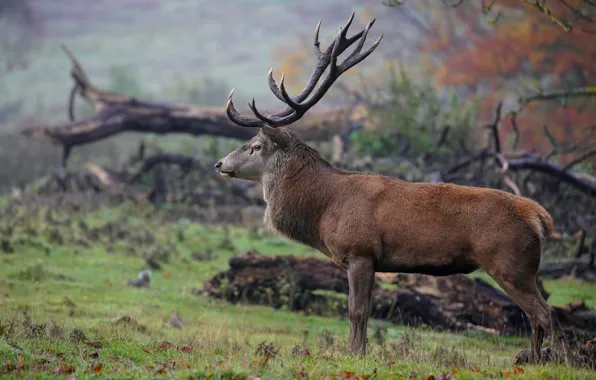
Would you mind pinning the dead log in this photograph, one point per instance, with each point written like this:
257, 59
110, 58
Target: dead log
581, 268
316, 286
327, 277
116, 113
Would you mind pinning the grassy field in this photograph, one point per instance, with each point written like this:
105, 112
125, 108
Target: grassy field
69, 271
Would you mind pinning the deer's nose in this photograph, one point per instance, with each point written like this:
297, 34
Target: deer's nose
218, 165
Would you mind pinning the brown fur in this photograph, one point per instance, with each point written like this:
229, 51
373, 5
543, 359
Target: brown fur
536, 216
370, 223
407, 227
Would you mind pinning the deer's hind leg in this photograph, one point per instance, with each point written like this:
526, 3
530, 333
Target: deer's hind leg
525, 293
554, 329
516, 274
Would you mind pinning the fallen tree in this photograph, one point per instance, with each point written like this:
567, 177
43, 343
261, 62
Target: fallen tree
116, 113
454, 303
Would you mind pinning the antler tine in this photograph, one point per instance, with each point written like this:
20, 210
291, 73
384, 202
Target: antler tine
334, 52
362, 40
254, 109
235, 116
287, 99
356, 36
323, 61
298, 106
273, 85
334, 73
347, 26
351, 61
316, 42
339, 45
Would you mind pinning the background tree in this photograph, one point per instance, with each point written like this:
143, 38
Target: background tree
513, 51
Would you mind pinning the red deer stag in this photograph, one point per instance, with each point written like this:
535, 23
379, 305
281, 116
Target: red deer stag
369, 223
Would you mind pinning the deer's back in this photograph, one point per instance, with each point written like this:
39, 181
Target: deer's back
378, 214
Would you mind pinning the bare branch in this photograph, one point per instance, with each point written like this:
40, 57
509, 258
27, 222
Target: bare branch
494, 127
521, 160
444, 133
588, 91
71, 102
515, 130
116, 113
583, 183
512, 185
564, 95
539, 5
580, 159
553, 141
442, 139
465, 163
487, 9
577, 11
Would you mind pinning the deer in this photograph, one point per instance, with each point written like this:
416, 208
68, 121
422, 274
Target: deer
367, 223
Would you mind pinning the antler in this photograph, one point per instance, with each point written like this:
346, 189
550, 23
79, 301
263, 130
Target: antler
297, 107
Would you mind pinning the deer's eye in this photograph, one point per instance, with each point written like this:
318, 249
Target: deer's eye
256, 148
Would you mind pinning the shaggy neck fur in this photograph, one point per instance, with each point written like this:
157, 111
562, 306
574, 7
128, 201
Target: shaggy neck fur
297, 192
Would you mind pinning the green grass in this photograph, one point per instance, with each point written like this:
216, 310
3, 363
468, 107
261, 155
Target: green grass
68, 285
560, 291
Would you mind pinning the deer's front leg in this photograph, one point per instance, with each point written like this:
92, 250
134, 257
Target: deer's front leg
361, 275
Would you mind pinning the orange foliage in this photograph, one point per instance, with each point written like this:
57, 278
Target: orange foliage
297, 64
294, 66
524, 45
528, 42
298, 59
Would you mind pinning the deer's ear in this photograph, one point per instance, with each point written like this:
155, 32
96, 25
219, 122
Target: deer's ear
277, 136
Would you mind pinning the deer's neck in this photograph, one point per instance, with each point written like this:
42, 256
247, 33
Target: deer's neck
296, 199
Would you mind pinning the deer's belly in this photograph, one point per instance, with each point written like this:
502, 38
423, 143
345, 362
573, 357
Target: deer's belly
435, 261
434, 270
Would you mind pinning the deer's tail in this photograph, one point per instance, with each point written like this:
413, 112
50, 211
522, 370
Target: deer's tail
537, 217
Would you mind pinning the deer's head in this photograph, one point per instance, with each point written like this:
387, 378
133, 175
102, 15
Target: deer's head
258, 156
273, 146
